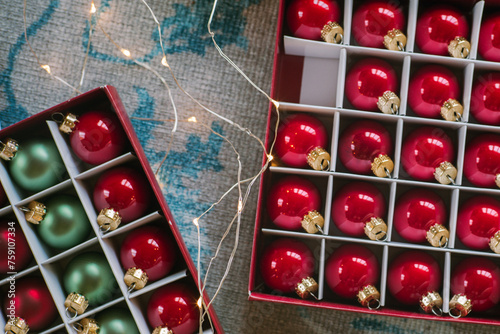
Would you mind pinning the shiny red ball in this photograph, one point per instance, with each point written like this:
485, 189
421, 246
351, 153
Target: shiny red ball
430, 87
485, 99
373, 20
306, 18
151, 249
478, 278
360, 143
437, 26
416, 212
489, 38
11, 236
478, 220
32, 302
297, 135
125, 190
285, 263
482, 160
367, 80
97, 137
350, 268
354, 205
290, 199
413, 274
423, 150
174, 306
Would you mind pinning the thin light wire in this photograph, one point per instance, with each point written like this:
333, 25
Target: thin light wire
44, 66
91, 29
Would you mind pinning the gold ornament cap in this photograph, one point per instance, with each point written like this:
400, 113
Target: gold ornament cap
75, 303
87, 326
432, 302
452, 110
8, 149
497, 180
459, 47
135, 278
333, 33
495, 242
16, 326
395, 40
162, 330
68, 123
389, 103
35, 212
369, 297
376, 229
313, 222
445, 173
382, 166
307, 287
109, 219
318, 159
438, 235
460, 306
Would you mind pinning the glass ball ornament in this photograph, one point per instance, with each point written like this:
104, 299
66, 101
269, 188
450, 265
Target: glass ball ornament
37, 165
65, 224
116, 321
11, 236
97, 137
174, 306
489, 38
485, 98
482, 160
124, 190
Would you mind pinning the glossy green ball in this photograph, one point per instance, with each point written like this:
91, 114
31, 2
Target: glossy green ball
89, 274
65, 224
37, 165
116, 321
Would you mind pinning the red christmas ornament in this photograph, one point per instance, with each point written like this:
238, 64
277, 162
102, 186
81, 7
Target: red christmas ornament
315, 19
288, 265
365, 147
443, 30
485, 99
32, 302
358, 208
414, 277
475, 283
419, 215
478, 223
124, 190
149, 249
427, 153
12, 238
489, 38
371, 84
482, 161
433, 93
293, 203
301, 140
97, 137
353, 270
379, 23
174, 306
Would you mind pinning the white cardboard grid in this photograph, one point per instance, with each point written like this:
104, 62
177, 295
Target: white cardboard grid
50, 265
462, 131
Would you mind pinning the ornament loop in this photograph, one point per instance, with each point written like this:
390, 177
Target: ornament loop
135, 278
389, 103
108, 220
432, 302
369, 297
333, 33
460, 306
395, 40
446, 173
307, 287
373, 304
70, 314
376, 229
437, 311
35, 212
8, 149
16, 326
452, 110
318, 158
382, 166
313, 222
459, 47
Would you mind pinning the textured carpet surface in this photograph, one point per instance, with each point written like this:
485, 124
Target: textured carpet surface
200, 166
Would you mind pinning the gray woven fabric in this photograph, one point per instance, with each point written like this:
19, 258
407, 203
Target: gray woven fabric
201, 167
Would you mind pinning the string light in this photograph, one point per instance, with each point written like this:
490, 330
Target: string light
192, 119
92, 8
46, 68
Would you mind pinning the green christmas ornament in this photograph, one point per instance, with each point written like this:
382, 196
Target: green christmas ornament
37, 165
65, 224
89, 274
116, 321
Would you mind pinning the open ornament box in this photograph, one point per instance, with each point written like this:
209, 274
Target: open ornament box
78, 180
309, 77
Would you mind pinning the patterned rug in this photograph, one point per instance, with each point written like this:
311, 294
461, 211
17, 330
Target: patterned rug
200, 166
